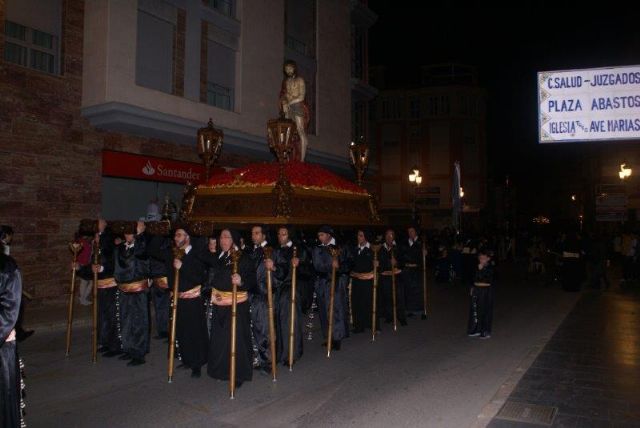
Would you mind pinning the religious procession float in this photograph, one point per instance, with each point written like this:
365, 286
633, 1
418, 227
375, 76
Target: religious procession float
286, 191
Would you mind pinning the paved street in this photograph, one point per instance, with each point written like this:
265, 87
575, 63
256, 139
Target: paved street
428, 374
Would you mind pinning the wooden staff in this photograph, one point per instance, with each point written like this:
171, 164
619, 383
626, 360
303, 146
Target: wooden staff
374, 316
268, 252
178, 253
292, 317
235, 257
94, 338
424, 279
393, 291
75, 248
335, 253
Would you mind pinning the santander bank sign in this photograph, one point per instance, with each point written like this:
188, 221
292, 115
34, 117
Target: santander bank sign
129, 165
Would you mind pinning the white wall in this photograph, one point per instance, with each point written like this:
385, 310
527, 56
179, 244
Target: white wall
109, 68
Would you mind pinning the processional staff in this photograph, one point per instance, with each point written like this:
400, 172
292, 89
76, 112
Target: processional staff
178, 254
374, 317
292, 317
268, 254
335, 253
94, 337
393, 291
424, 279
235, 257
75, 248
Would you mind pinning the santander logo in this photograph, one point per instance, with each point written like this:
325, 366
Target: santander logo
148, 169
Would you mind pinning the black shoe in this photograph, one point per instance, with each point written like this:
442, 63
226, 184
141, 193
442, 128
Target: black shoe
411, 315
23, 335
358, 330
183, 366
423, 317
387, 321
124, 357
136, 362
324, 344
103, 349
110, 354
195, 372
336, 344
403, 323
238, 384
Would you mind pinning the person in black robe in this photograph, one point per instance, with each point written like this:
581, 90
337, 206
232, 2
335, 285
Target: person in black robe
323, 265
191, 325
572, 263
412, 261
132, 275
6, 237
390, 257
362, 283
283, 297
10, 372
109, 342
481, 308
259, 304
221, 295
160, 253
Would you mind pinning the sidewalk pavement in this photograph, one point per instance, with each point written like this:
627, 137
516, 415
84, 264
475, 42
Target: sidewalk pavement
588, 374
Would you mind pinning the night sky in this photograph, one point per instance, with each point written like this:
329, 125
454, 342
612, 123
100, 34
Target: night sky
508, 45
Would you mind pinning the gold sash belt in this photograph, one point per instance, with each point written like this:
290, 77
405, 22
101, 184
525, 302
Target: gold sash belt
134, 287
161, 282
107, 283
190, 294
225, 298
411, 265
482, 284
362, 276
388, 272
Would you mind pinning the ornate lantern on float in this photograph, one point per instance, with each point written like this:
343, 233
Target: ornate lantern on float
279, 135
359, 153
209, 146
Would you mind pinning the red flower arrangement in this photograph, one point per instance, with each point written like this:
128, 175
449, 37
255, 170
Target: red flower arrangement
300, 174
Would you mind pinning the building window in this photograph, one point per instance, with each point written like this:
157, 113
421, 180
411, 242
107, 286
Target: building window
221, 51
414, 130
414, 108
357, 52
225, 7
358, 118
220, 96
155, 45
444, 105
390, 144
300, 26
31, 48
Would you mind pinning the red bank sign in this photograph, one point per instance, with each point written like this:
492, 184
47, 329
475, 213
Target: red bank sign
128, 165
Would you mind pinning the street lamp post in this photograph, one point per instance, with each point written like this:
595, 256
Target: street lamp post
624, 174
461, 206
416, 179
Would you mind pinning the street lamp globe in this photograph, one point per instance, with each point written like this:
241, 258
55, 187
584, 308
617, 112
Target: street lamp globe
625, 171
414, 175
